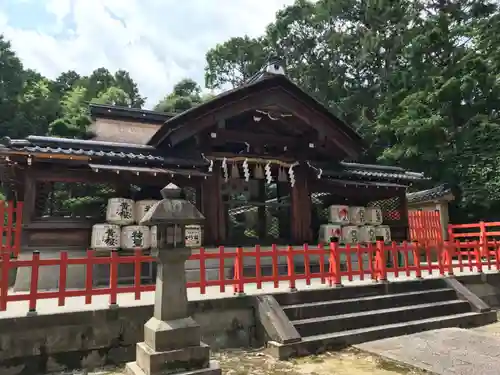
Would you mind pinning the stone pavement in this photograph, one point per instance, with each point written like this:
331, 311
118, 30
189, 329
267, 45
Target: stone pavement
449, 351
50, 306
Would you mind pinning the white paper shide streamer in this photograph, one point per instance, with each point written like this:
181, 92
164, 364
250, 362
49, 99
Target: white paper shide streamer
291, 174
269, 176
246, 170
224, 169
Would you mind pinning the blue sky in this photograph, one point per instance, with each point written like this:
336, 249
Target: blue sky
158, 41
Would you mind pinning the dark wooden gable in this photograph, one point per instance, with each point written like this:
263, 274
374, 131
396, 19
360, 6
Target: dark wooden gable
288, 116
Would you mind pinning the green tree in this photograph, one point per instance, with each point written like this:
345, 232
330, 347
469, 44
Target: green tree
11, 87
418, 78
185, 95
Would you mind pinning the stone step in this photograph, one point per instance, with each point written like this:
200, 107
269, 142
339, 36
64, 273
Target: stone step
364, 319
333, 341
357, 291
376, 302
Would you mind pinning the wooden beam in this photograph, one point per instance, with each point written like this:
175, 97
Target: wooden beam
84, 175
259, 100
318, 121
254, 138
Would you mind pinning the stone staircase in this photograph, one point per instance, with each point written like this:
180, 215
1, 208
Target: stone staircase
309, 322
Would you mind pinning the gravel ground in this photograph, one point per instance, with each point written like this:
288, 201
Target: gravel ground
349, 362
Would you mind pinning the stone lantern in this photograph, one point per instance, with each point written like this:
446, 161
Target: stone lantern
172, 339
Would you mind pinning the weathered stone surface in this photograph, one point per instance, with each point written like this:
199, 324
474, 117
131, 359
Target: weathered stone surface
173, 361
213, 369
171, 294
161, 336
449, 351
274, 320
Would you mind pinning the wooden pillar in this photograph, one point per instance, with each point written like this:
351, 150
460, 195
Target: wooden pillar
213, 209
220, 208
29, 198
404, 214
301, 208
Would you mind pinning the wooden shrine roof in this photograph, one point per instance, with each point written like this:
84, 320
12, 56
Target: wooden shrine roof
128, 114
97, 151
254, 95
113, 154
440, 192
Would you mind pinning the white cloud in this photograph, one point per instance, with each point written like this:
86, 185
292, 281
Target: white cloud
158, 41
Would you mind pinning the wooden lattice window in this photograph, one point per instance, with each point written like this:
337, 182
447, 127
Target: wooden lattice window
257, 212
392, 210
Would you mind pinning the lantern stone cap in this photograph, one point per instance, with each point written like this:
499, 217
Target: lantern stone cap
172, 210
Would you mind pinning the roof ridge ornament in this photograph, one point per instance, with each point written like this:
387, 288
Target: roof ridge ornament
275, 65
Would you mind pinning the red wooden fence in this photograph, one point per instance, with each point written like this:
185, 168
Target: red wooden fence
11, 216
425, 227
343, 263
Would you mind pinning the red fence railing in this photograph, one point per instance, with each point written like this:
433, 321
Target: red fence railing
481, 232
11, 216
425, 227
333, 265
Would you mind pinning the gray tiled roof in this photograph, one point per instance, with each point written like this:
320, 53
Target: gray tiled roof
429, 194
112, 151
373, 171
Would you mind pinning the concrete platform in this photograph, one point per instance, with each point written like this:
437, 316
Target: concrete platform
449, 351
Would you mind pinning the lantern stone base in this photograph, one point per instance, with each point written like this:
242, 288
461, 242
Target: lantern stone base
172, 347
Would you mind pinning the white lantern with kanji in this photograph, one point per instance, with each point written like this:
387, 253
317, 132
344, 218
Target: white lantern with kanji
357, 215
141, 207
330, 233
383, 231
105, 237
374, 216
120, 211
135, 237
338, 214
367, 234
350, 234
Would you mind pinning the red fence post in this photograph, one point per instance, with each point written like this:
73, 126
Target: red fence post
63, 270
483, 239
307, 264
258, 267
203, 271
10, 220
137, 274
89, 276
335, 278
274, 253
4, 286
19, 227
291, 269
381, 261
478, 249
238, 272
113, 278
222, 270
35, 268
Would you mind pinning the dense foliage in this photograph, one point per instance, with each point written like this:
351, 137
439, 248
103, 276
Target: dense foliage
420, 79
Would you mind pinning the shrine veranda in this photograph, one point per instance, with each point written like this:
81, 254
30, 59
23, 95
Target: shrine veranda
264, 163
